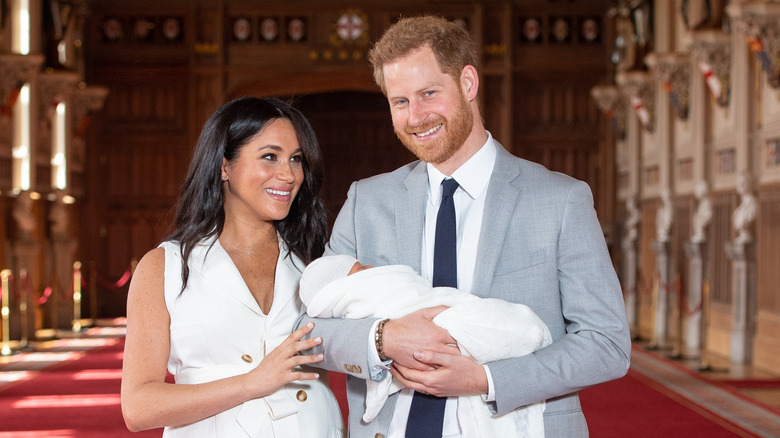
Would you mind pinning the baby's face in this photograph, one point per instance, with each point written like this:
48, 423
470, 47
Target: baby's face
357, 267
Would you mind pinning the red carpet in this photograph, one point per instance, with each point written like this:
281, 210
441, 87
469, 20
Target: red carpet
637, 407
80, 398
77, 398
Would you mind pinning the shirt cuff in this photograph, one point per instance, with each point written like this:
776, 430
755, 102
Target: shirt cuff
491, 395
377, 368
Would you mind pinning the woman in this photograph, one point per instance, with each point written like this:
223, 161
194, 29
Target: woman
216, 302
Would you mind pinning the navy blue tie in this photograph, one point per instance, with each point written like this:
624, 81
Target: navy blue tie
426, 416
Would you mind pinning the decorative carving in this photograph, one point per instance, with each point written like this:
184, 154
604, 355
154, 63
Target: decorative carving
350, 28
672, 70
633, 36
760, 23
85, 100
59, 220
712, 53
630, 225
55, 87
15, 71
703, 214
699, 14
613, 104
663, 217
23, 215
640, 88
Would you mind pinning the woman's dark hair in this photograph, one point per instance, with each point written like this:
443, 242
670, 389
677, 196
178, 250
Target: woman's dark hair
200, 210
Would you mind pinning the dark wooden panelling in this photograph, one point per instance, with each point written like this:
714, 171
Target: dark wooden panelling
357, 141
161, 92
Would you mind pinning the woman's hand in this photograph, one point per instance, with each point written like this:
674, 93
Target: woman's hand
278, 367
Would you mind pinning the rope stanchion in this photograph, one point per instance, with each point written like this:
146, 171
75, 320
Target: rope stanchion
27, 286
92, 281
691, 311
122, 280
5, 311
77, 279
23, 317
92, 287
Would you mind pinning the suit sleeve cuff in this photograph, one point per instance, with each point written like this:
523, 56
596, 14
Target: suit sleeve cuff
490, 397
377, 368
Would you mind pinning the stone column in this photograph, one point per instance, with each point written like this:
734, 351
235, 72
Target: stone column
744, 290
661, 317
629, 285
693, 297
628, 245
743, 301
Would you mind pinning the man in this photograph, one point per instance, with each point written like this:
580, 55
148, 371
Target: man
523, 234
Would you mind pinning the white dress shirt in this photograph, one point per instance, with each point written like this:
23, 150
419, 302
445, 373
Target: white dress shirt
473, 178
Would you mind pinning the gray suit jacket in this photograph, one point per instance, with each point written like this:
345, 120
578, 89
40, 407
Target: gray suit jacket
540, 245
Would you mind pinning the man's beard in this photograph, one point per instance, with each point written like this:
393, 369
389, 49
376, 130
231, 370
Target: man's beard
456, 131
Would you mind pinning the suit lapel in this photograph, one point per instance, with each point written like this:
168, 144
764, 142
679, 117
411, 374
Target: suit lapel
502, 196
410, 217
288, 273
222, 274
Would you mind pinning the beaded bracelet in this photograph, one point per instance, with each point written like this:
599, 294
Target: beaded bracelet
378, 339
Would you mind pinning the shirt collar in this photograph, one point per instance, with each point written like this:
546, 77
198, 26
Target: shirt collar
473, 176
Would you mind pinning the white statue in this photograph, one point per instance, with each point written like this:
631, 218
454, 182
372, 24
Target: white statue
663, 217
745, 213
58, 217
632, 219
23, 215
703, 214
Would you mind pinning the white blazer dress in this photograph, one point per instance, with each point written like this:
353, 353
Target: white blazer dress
218, 330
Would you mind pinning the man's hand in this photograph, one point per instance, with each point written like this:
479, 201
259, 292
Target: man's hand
416, 332
450, 375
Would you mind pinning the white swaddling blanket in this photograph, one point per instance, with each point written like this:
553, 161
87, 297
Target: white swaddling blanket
486, 330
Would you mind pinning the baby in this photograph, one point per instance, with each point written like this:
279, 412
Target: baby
486, 329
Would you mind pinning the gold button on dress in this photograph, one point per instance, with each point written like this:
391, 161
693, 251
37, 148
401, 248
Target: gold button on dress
246, 358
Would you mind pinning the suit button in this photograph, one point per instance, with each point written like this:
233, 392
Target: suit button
354, 369
246, 358
301, 396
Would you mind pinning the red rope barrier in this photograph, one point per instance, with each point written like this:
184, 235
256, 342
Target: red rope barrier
41, 300
111, 285
644, 288
690, 311
14, 290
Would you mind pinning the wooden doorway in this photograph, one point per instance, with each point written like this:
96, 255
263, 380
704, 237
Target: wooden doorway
356, 137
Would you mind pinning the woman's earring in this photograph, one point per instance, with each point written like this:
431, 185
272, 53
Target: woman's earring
224, 178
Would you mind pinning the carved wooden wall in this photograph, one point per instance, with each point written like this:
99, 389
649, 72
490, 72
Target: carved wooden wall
169, 65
